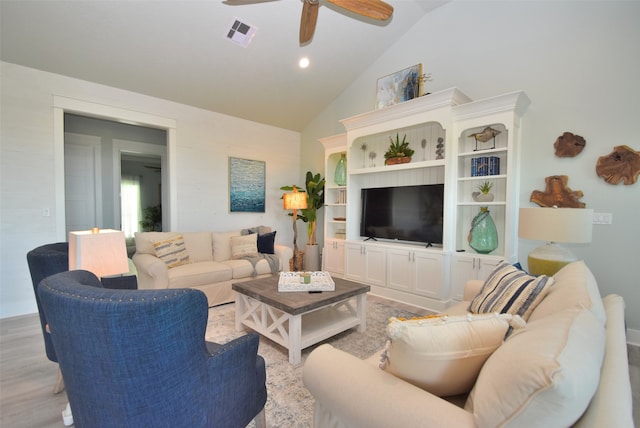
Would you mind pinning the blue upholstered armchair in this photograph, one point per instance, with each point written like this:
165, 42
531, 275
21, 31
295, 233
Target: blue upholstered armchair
45, 261
138, 358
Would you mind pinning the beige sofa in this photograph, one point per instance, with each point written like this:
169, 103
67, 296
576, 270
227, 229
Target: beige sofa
215, 261
567, 367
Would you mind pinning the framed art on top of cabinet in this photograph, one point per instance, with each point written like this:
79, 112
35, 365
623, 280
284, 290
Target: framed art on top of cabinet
403, 85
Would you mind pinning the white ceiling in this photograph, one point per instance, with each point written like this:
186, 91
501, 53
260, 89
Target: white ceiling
177, 50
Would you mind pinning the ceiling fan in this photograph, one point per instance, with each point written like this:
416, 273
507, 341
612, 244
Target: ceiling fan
374, 9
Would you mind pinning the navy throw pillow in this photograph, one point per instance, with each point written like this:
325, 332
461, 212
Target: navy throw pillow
266, 243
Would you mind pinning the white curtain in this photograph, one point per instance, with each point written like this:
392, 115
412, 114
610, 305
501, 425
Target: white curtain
130, 204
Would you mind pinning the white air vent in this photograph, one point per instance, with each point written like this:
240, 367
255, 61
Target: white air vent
241, 33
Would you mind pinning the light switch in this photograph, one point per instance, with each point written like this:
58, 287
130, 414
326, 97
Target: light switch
602, 218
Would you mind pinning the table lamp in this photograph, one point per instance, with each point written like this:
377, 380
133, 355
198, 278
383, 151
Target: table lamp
295, 201
100, 251
570, 225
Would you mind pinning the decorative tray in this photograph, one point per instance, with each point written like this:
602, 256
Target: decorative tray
296, 281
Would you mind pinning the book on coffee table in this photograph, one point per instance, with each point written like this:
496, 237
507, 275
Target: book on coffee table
306, 281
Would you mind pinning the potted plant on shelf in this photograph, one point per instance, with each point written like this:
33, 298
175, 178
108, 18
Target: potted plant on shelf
314, 186
483, 195
399, 151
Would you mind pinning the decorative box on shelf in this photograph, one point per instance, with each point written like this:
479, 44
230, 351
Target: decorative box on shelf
306, 281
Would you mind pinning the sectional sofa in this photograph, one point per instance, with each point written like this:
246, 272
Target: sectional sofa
208, 261
567, 366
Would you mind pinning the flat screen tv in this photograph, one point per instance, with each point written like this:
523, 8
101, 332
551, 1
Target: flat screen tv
407, 213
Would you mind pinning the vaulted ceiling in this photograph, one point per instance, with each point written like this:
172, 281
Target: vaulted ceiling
178, 50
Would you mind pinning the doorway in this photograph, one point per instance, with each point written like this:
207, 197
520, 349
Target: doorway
106, 163
62, 105
140, 193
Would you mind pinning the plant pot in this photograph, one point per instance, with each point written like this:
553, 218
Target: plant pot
482, 197
312, 258
396, 161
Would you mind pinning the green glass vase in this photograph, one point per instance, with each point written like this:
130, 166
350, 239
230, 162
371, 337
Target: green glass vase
483, 236
340, 176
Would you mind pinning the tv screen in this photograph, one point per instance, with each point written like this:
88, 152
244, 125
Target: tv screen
407, 213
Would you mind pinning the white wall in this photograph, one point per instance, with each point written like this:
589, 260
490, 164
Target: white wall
205, 140
579, 64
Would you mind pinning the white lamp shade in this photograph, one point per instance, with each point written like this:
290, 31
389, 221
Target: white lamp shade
572, 225
102, 252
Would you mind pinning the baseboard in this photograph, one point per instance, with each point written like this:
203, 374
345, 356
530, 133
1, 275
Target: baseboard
427, 303
633, 337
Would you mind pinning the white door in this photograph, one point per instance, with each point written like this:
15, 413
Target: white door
83, 194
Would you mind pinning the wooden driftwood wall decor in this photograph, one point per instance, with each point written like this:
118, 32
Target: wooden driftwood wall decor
558, 194
569, 145
623, 163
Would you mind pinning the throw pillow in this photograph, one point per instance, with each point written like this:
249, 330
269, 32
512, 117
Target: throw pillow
222, 245
244, 246
172, 251
444, 355
544, 375
256, 229
512, 291
266, 243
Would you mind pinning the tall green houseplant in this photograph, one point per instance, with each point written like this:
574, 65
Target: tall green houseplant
314, 186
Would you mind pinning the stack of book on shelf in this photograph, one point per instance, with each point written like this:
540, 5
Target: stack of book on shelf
485, 165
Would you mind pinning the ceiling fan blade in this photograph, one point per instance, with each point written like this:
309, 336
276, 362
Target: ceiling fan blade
243, 2
308, 20
375, 9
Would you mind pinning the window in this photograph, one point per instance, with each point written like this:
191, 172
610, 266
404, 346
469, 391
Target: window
130, 204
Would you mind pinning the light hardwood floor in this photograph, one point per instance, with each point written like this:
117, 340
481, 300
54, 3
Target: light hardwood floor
27, 378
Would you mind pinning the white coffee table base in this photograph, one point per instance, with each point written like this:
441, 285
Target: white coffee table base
296, 332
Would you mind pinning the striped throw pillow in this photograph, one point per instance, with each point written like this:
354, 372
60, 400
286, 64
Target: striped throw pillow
172, 251
509, 290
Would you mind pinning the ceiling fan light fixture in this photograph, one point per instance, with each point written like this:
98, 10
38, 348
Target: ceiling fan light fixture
304, 62
374, 9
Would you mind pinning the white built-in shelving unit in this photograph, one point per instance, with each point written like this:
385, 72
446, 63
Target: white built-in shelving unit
430, 277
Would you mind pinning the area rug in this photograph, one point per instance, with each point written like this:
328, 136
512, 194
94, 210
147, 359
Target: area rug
289, 403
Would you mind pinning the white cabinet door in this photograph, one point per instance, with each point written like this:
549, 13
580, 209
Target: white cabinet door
462, 270
376, 262
365, 263
355, 265
401, 269
334, 256
487, 265
466, 267
418, 272
429, 275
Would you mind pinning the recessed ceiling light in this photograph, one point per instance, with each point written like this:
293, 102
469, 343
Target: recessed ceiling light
304, 62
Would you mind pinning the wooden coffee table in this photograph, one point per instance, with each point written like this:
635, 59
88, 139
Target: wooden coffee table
297, 320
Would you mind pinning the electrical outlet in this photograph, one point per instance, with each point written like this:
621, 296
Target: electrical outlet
602, 218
